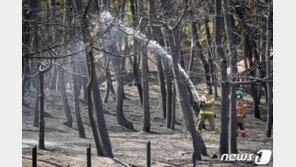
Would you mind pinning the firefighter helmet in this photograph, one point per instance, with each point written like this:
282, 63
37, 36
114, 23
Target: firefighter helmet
208, 89
239, 93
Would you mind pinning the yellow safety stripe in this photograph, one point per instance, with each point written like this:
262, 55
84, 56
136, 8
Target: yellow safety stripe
207, 112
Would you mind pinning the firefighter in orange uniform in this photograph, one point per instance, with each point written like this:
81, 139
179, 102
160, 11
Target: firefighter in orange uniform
241, 109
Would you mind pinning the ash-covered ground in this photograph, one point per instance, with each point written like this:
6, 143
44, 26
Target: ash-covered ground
168, 148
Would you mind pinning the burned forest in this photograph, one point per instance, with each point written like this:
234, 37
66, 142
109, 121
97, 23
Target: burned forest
147, 82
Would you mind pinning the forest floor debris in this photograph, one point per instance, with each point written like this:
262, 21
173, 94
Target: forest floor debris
168, 148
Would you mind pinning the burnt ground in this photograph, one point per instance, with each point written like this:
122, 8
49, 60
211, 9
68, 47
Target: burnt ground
168, 148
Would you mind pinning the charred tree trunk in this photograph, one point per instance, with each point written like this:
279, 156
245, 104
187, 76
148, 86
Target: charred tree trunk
26, 37
210, 56
66, 106
137, 81
108, 80
76, 83
76, 94
61, 72
173, 114
157, 35
269, 72
89, 58
192, 53
200, 51
41, 115
53, 80
178, 40
232, 55
169, 101
90, 112
146, 110
93, 86
146, 107
34, 6
184, 103
169, 76
223, 147
36, 108
119, 63
103, 133
253, 65
41, 106
84, 85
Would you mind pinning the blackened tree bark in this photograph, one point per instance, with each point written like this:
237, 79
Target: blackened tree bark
169, 100
76, 83
76, 94
119, 63
119, 66
210, 56
41, 106
178, 40
200, 51
192, 53
41, 115
26, 37
232, 55
263, 45
84, 81
90, 112
136, 48
157, 35
107, 60
184, 103
268, 73
169, 77
53, 75
93, 86
240, 10
146, 109
34, 6
61, 72
223, 147
36, 108
173, 114
108, 79
125, 41
103, 133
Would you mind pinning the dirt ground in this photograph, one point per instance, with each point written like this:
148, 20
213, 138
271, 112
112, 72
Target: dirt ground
168, 148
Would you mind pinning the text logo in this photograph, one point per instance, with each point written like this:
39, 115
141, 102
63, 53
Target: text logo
265, 157
261, 158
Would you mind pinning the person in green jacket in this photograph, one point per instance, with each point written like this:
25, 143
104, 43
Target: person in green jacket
207, 106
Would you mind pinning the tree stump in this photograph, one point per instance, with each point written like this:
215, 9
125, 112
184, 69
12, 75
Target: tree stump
88, 156
34, 156
148, 154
